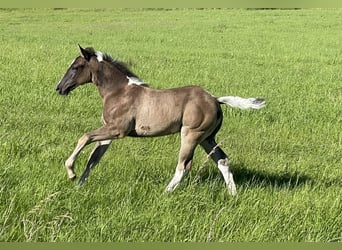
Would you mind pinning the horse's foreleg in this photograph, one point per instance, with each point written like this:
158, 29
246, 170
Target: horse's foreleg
69, 163
101, 134
220, 158
95, 156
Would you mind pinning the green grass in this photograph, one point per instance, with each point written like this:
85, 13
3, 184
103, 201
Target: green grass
286, 158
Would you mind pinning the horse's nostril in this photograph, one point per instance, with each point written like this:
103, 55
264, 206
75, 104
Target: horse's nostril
59, 90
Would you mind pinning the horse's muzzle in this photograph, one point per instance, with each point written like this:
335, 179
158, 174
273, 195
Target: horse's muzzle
64, 91
60, 91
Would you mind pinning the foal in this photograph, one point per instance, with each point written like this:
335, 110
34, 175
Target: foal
131, 108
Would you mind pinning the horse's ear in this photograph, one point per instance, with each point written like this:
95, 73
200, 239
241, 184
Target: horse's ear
84, 53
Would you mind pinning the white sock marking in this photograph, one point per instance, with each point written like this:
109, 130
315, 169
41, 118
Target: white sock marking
227, 175
175, 180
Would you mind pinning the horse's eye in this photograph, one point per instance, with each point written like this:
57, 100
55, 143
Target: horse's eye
74, 68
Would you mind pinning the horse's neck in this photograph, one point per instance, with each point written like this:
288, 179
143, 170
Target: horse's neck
110, 89
110, 84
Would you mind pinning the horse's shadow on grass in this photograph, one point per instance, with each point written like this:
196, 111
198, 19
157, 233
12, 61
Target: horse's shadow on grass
285, 179
258, 178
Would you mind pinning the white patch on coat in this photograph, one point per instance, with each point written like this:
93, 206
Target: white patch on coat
105, 142
99, 56
134, 80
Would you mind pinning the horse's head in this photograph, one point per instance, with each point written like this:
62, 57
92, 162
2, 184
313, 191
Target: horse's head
78, 72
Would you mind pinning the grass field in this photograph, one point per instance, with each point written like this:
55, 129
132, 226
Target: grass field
286, 158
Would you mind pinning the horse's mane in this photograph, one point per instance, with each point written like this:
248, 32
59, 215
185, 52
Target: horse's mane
121, 66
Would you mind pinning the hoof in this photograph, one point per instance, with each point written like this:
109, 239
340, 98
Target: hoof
233, 192
72, 178
232, 189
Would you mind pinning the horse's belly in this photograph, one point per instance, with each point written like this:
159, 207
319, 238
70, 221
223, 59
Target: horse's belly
157, 129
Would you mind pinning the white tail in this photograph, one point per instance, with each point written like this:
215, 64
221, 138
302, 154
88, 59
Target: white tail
242, 103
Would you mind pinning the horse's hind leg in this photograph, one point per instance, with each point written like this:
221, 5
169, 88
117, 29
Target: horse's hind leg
220, 158
95, 156
188, 144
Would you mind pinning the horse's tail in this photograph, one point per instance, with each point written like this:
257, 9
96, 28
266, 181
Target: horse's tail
242, 103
